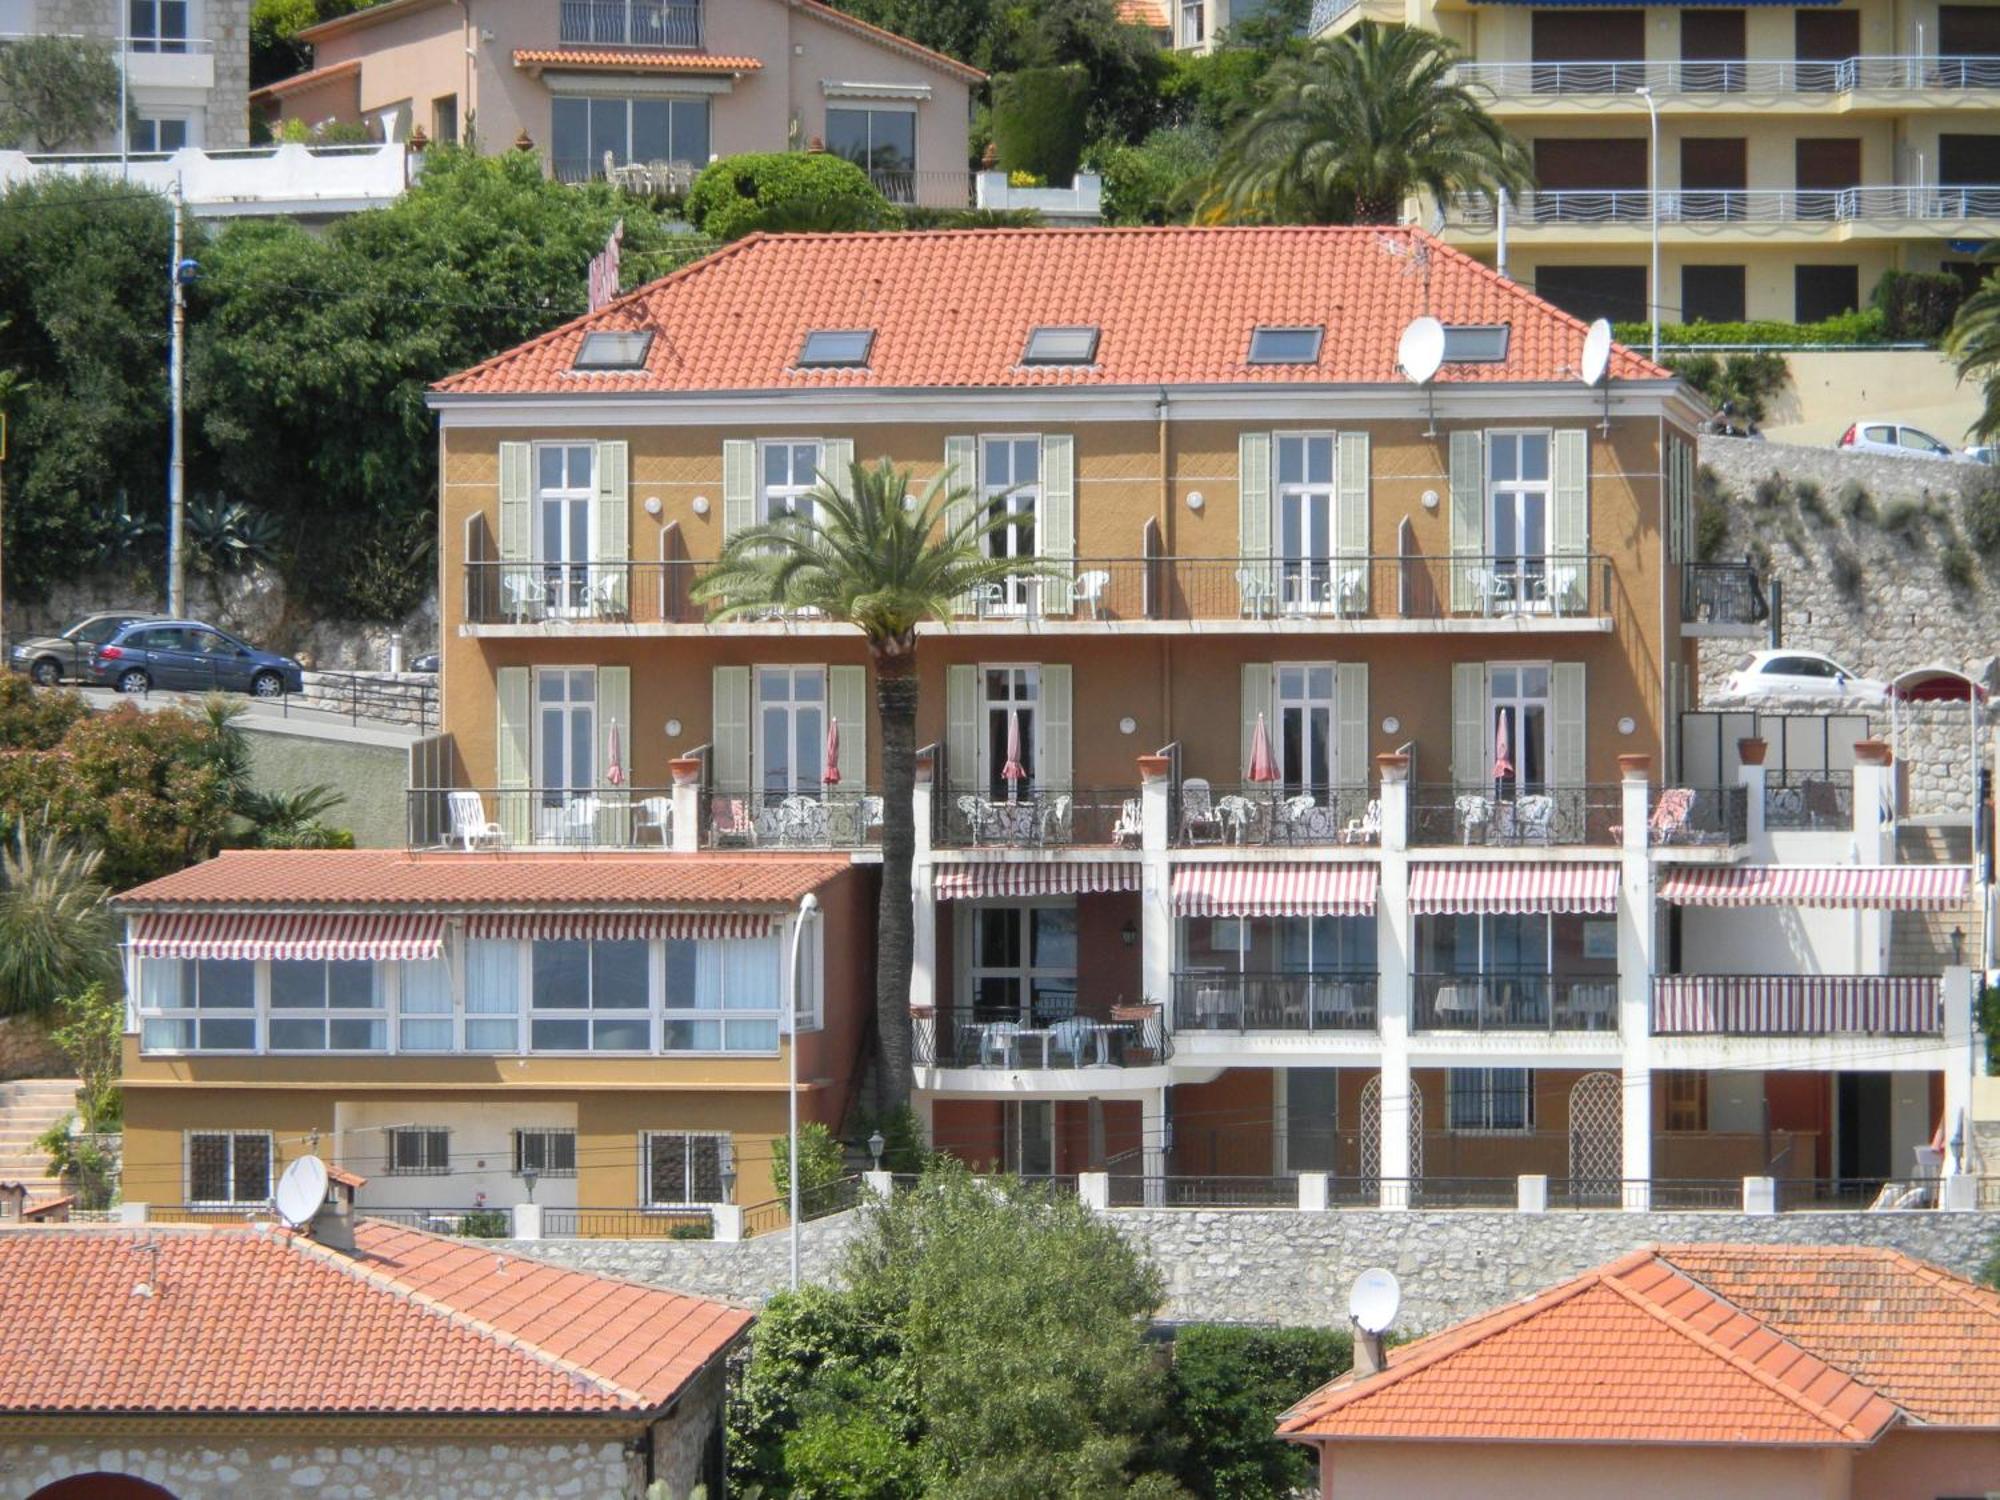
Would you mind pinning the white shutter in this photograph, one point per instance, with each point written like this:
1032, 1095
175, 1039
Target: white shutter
1670, 512
1256, 699
1253, 522
1569, 531
1351, 522
1468, 516
614, 707
1055, 521
517, 467
961, 731
739, 486
1350, 715
513, 751
729, 733
1468, 725
610, 543
1566, 741
836, 463
847, 701
961, 481
1056, 768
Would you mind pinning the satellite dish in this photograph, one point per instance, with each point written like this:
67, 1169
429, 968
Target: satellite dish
302, 1192
1421, 350
1373, 1302
1597, 352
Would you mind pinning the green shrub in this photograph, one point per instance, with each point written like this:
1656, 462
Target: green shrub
1845, 570
1811, 499
1156, 181
903, 1149
738, 194
1854, 501
1979, 511
1227, 1388
1917, 305
701, 1231
821, 1160
1711, 529
1038, 120
1769, 491
31, 719
1864, 327
1903, 518
1958, 566
851, 1455
485, 1224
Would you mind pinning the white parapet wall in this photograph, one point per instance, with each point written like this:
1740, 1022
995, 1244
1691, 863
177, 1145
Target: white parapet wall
290, 180
1082, 200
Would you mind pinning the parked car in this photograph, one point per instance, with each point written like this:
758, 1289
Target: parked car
1799, 674
48, 659
189, 656
428, 662
1984, 453
1899, 440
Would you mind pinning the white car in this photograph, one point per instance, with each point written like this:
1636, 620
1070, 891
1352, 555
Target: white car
1800, 674
1898, 440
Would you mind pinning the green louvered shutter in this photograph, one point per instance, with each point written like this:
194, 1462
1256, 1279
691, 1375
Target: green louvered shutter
1566, 729
611, 587
739, 486
961, 728
515, 581
1569, 531
1469, 768
1351, 522
729, 733
961, 482
1055, 522
1468, 517
513, 751
1055, 771
1255, 577
836, 463
847, 701
1350, 724
614, 710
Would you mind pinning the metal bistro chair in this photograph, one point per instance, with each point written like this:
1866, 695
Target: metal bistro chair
1200, 823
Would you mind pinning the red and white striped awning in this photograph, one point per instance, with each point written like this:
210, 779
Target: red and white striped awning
294, 935
616, 926
1274, 890
1476, 888
998, 880
1879, 887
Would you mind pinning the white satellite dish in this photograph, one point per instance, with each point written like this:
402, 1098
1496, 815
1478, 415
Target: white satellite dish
1597, 352
1420, 351
1373, 1302
302, 1192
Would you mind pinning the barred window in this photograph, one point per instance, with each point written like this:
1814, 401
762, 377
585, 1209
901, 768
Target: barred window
547, 1153
229, 1166
419, 1151
1492, 1099
686, 1168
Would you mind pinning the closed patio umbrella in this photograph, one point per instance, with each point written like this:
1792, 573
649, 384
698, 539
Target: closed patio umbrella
614, 770
1013, 772
832, 774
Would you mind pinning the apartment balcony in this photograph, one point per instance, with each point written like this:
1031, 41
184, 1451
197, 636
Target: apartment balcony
1291, 1004
572, 820
1036, 818
1798, 1005
1503, 818
1600, 215
1810, 83
1522, 1003
631, 23
1509, 594
1722, 599
1078, 1047
1268, 816
1809, 801
170, 63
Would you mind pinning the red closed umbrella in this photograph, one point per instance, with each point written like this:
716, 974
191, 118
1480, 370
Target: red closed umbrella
832, 775
614, 771
1263, 765
1013, 772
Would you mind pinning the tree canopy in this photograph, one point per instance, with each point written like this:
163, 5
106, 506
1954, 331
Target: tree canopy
57, 93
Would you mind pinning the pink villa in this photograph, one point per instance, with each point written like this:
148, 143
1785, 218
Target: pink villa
662, 84
1766, 1372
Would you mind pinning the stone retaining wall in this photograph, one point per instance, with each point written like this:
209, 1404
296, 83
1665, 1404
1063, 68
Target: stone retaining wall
1281, 1266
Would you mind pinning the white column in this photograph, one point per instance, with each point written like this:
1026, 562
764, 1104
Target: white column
923, 898
1874, 844
1636, 929
1531, 1193
1156, 916
1153, 1142
881, 1184
1760, 1195
528, 1222
1751, 779
1960, 1041
687, 805
1393, 947
1094, 1188
1312, 1192
131, 1213
728, 1220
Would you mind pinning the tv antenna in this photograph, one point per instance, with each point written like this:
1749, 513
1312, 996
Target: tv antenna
1420, 353
1597, 364
301, 1192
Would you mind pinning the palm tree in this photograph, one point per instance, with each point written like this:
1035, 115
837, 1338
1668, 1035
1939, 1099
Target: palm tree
57, 936
1973, 342
1345, 133
884, 563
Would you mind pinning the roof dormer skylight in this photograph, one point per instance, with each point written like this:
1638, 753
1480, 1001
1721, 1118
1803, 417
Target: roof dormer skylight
612, 349
837, 348
1475, 343
1055, 344
1286, 346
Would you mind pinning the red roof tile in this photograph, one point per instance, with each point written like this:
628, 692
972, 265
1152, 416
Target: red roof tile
1176, 306
1149, 13
309, 79
259, 1320
360, 878
894, 42
534, 58
1772, 1344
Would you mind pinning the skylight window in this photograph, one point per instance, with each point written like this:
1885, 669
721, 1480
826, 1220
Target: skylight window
1054, 345
1475, 343
836, 348
614, 350
1285, 346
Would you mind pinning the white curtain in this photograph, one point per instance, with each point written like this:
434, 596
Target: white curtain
492, 989
426, 1006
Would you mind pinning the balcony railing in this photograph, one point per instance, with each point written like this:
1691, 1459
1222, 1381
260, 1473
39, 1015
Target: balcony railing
1797, 1005
1036, 818
1092, 590
1122, 1037
1817, 800
631, 23
1634, 206
1684, 815
1507, 818
1514, 1002
1302, 1003
839, 817
1722, 593
1271, 815
930, 189
624, 817
1732, 76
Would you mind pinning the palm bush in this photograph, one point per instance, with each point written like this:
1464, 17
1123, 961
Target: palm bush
57, 935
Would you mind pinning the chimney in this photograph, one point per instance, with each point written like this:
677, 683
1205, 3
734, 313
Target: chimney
333, 1225
1368, 1356
13, 1200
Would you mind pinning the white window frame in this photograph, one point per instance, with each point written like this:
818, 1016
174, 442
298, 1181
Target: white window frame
1307, 704
551, 801
154, 39
990, 708
434, 1149
588, 1013
1024, 974
1487, 1093
1514, 704
725, 1163
155, 120
775, 500
591, 163
467, 1017
722, 1015
186, 1011
1015, 595
545, 1134
377, 1014
792, 707
1193, 23
873, 107
565, 580
188, 1138
452, 1015
1305, 578
1524, 574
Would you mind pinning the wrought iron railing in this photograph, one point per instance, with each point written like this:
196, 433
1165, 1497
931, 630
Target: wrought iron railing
1274, 1002
1064, 1039
839, 817
814, 1203
1722, 593
622, 817
1504, 816
1698, 815
630, 23
1036, 818
1817, 800
628, 1223
1274, 814
1514, 1002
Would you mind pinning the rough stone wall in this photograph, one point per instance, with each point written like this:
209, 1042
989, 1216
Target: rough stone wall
27, 1052
228, 114
1902, 614
268, 1468
682, 1441
1285, 1267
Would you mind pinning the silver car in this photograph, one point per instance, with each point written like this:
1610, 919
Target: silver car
1800, 674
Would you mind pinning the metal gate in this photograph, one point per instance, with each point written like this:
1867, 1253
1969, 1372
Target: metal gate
1597, 1138
1371, 1134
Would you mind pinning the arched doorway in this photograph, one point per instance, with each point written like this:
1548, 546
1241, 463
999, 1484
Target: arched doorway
1597, 1138
1371, 1134
101, 1487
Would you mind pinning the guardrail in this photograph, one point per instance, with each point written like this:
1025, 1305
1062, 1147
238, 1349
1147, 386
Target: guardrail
1798, 1005
1550, 817
1685, 816
1722, 593
1041, 818
1266, 814
814, 1203
1821, 800
1514, 1002
1305, 1003
1122, 1037
630, 23
840, 817
1586, 207
1729, 76
627, 817
626, 1223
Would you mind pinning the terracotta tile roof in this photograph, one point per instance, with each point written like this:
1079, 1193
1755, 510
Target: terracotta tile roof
363, 878
535, 58
1148, 13
312, 78
260, 1320
953, 309
889, 39
1649, 1350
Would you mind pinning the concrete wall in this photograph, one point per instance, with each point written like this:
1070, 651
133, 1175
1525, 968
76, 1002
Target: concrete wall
369, 775
1538, 1471
1834, 388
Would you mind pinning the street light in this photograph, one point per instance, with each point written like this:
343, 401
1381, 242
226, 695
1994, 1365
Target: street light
875, 1145
1653, 195
808, 905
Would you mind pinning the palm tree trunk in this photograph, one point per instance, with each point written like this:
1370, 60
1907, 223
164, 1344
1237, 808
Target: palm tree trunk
895, 922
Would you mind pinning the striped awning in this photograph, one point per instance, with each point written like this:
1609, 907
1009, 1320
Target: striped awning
1274, 890
1875, 887
281, 935
996, 880
616, 926
1476, 888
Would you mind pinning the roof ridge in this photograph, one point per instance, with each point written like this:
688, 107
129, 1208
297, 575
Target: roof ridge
893, 38
555, 1265
1818, 1410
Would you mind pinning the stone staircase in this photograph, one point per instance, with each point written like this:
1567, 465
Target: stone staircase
28, 1107
1920, 942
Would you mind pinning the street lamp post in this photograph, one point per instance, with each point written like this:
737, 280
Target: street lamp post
808, 906
1653, 198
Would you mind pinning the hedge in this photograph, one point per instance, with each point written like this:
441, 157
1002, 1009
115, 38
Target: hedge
1038, 120
1866, 327
731, 196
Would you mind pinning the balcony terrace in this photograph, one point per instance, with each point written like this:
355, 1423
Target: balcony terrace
1302, 1004
1060, 1036
669, 24
1796, 1005
1694, 213
1809, 81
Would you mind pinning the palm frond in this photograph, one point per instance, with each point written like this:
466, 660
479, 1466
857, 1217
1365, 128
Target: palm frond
57, 934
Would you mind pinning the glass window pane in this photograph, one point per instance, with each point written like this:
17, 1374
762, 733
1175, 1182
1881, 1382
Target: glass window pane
1291, 460
560, 974
490, 1036
228, 983
1535, 456
847, 134
492, 976
208, 1168
425, 1036
349, 1034
350, 984
160, 984
751, 1036
569, 130
694, 1036
632, 1035
167, 1035
427, 988
298, 1035
690, 130
619, 975
560, 1036
652, 135
895, 139
777, 465
607, 131
680, 983
751, 972
253, 1168
229, 1036
1000, 937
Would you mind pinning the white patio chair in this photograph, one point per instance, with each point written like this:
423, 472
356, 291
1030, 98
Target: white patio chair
978, 815
1070, 1037
607, 593
1349, 589
1234, 812
523, 593
1366, 829
1053, 823
579, 825
997, 1041
871, 814
1474, 813
1294, 819
1561, 588
1489, 586
1127, 832
469, 824
657, 815
1199, 821
1259, 591
1087, 592
1535, 819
